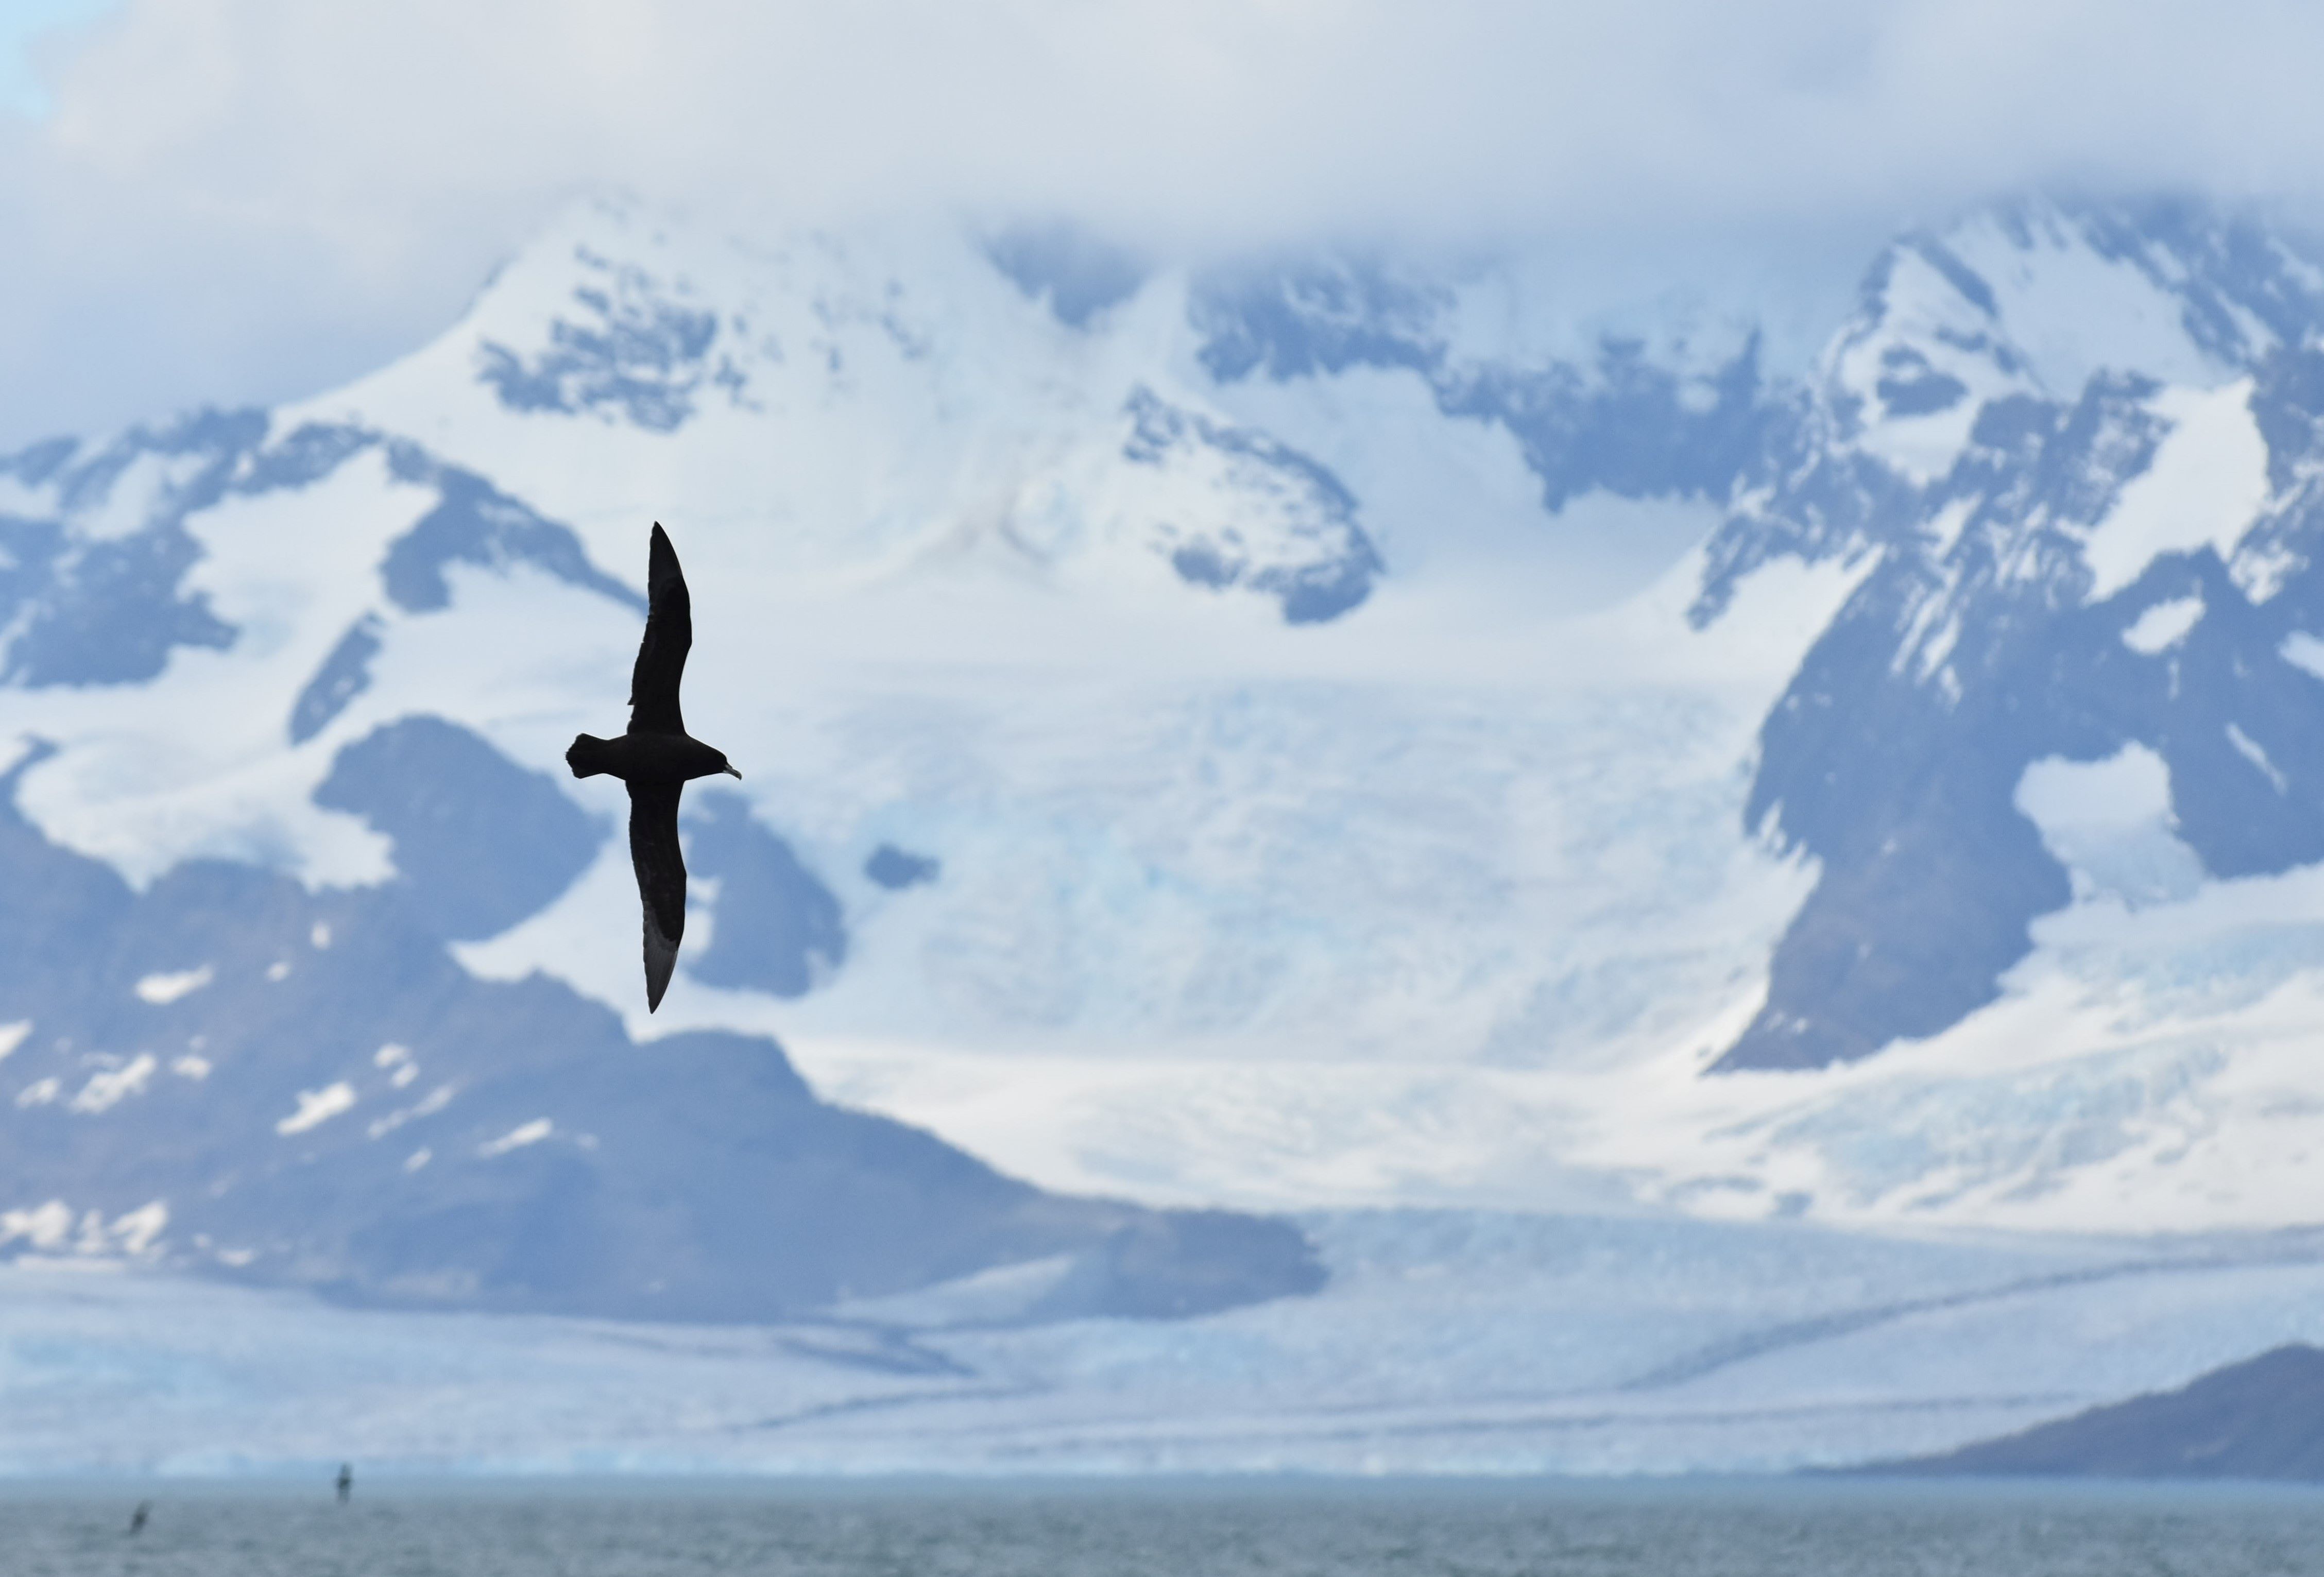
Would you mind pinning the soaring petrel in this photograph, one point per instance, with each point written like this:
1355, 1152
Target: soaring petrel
655, 758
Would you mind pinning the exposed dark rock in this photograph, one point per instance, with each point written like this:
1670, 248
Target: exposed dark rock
2262, 1418
1324, 565
345, 673
480, 841
1895, 755
895, 869
1077, 274
632, 349
476, 523
775, 926
109, 609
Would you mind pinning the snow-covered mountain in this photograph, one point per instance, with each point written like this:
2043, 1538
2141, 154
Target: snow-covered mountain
1314, 731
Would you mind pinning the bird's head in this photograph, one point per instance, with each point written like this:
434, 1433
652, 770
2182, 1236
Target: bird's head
729, 767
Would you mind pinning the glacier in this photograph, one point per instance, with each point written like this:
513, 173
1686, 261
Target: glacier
1445, 1341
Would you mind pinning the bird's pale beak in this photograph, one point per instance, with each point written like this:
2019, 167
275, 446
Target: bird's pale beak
736, 770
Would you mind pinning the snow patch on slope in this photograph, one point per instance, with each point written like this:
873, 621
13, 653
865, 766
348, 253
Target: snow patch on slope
2163, 626
2074, 312
162, 989
2206, 486
108, 1087
317, 1107
2110, 823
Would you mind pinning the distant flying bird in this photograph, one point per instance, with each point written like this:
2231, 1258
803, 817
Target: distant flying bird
655, 758
137, 1517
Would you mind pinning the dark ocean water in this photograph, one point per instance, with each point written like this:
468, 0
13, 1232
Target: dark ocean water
1166, 1530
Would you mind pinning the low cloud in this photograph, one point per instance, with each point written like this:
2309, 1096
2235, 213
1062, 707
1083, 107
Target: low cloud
243, 198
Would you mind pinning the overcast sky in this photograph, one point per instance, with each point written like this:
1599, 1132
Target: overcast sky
248, 199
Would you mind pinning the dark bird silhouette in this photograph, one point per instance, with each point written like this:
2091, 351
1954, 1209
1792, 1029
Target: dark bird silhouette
137, 1517
346, 1482
656, 757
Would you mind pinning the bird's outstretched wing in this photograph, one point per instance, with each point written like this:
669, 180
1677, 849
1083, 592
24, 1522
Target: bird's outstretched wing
669, 636
661, 879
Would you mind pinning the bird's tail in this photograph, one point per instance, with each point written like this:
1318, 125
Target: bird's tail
589, 755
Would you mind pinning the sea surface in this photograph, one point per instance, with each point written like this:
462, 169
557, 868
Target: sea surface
1205, 1528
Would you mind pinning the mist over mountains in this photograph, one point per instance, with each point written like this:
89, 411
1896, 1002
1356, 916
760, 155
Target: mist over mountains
1311, 732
